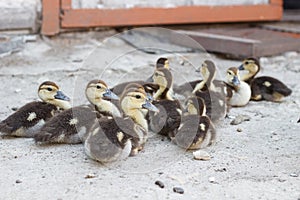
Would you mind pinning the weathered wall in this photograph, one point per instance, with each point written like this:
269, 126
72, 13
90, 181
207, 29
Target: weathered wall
160, 3
19, 14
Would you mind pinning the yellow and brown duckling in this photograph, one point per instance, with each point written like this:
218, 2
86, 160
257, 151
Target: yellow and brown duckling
29, 118
71, 126
148, 85
112, 139
263, 87
238, 92
160, 63
196, 129
212, 91
167, 120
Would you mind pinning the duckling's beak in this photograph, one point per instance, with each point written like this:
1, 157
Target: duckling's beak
109, 94
61, 96
149, 97
150, 79
235, 81
150, 106
241, 67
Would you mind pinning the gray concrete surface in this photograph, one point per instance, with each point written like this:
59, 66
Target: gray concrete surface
261, 162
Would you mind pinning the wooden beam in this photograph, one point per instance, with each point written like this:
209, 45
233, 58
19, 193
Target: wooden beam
77, 18
66, 4
51, 20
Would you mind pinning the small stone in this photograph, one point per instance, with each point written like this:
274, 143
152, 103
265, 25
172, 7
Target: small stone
14, 108
15, 156
178, 190
18, 181
294, 175
160, 184
239, 130
17, 90
78, 60
239, 119
201, 155
90, 176
212, 179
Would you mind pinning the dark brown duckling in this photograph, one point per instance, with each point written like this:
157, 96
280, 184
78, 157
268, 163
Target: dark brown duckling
167, 120
196, 129
29, 118
112, 139
72, 125
263, 87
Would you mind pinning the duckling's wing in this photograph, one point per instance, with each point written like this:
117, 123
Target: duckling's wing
67, 127
27, 116
270, 85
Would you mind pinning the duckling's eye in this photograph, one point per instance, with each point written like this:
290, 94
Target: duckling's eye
155, 74
98, 87
229, 73
49, 89
246, 63
138, 96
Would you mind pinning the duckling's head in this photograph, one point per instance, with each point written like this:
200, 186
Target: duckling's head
233, 77
208, 70
195, 106
162, 63
250, 64
49, 92
96, 90
135, 99
139, 87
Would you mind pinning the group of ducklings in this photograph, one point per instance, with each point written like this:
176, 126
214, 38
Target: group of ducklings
115, 124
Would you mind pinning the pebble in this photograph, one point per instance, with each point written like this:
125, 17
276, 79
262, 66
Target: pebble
239, 130
239, 119
90, 176
18, 181
293, 175
160, 184
201, 155
178, 190
212, 179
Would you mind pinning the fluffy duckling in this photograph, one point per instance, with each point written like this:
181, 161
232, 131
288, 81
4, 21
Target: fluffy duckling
112, 139
211, 90
148, 85
239, 92
27, 119
195, 126
167, 120
160, 63
263, 87
72, 125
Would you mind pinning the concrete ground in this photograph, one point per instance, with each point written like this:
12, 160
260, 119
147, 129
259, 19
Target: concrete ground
260, 162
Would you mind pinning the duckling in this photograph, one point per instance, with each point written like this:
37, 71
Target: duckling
33, 115
195, 126
148, 85
239, 92
71, 126
160, 63
167, 120
263, 87
112, 139
211, 90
